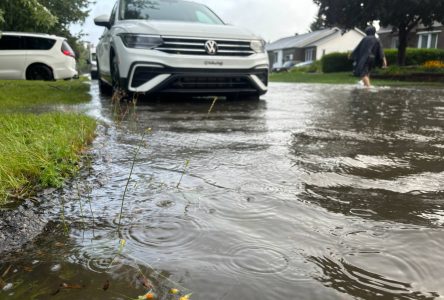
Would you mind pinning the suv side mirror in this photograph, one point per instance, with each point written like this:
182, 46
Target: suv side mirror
103, 20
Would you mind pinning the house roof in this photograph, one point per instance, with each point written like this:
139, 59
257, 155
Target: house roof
389, 29
302, 40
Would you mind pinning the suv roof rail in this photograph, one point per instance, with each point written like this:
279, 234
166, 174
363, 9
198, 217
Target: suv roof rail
28, 33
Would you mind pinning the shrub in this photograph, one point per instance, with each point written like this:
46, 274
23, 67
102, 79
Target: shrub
415, 57
336, 62
339, 62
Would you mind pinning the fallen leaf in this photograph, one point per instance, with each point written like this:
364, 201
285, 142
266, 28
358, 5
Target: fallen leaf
174, 291
106, 285
186, 297
145, 282
71, 286
28, 269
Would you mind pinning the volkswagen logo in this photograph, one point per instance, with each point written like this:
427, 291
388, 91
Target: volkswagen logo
211, 47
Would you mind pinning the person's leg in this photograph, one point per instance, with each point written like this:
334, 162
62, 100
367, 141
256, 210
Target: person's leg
366, 80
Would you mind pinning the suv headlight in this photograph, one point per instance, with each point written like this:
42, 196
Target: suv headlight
140, 41
258, 46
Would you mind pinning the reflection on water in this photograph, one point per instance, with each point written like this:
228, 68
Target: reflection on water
315, 192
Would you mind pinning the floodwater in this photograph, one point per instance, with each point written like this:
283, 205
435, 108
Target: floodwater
314, 192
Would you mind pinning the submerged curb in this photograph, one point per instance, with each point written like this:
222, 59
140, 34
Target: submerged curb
20, 226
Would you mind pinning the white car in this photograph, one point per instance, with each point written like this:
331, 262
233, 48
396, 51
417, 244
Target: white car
92, 61
178, 47
35, 57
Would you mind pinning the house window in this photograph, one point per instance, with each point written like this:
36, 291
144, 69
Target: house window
395, 42
309, 54
275, 57
428, 40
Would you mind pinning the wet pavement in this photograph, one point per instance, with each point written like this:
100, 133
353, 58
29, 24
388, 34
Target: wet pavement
314, 192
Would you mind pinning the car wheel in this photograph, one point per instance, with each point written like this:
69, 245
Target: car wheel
39, 72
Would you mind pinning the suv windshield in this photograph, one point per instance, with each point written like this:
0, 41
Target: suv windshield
168, 10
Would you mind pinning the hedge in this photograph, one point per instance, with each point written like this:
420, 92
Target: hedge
336, 62
339, 62
414, 57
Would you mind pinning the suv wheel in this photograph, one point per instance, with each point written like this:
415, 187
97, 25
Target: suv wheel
39, 72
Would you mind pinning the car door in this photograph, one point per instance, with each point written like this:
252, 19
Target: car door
12, 57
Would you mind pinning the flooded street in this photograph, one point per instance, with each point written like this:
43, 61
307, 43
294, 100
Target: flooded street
314, 192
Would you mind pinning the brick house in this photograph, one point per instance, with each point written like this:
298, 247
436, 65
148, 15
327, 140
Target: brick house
420, 37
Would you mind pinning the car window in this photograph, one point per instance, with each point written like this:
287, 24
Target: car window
168, 10
36, 43
10, 42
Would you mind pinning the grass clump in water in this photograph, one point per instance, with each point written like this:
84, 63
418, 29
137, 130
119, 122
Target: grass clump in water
40, 151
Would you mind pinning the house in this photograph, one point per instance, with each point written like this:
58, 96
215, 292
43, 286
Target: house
420, 37
312, 46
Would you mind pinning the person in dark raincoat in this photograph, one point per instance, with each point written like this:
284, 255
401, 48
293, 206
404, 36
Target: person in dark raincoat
367, 55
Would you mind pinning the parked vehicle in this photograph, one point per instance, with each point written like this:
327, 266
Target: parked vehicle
92, 61
287, 66
178, 47
35, 57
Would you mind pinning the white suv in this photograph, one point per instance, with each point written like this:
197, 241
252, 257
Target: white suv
35, 57
175, 46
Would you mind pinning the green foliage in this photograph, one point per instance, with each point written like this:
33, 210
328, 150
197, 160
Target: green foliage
339, 62
26, 15
415, 57
336, 62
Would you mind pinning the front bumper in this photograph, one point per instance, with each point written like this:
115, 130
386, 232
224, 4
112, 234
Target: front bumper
154, 78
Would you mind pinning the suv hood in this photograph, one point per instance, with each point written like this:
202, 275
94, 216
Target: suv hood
187, 29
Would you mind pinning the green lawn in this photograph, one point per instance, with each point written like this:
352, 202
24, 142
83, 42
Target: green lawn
18, 93
39, 151
339, 78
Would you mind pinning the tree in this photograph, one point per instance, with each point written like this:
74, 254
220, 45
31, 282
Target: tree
402, 15
317, 24
25, 15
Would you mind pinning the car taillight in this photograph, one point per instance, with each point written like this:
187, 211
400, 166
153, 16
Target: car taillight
69, 53
67, 50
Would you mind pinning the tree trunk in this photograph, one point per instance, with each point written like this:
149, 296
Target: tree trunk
402, 49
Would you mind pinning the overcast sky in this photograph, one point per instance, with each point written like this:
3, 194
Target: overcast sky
271, 19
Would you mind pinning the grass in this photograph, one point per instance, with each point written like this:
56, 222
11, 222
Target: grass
40, 151
18, 94
339, 78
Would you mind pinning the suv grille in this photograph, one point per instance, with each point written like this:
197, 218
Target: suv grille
222, 82
196, 46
